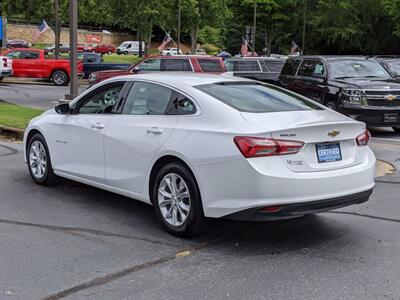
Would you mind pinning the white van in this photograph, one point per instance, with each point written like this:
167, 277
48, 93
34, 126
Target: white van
129, 47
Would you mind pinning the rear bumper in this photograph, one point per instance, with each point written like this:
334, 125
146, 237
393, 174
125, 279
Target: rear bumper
299, 209
5, 73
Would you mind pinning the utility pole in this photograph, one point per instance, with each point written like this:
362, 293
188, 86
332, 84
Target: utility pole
303, 45
3, 30
73, 48
254, 27
57, 28
179, 26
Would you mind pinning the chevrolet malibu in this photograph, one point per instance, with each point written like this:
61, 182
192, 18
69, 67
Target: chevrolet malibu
204, 146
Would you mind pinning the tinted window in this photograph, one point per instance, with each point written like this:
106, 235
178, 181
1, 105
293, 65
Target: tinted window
29, 55
147, 99
274, 66
290, 67
246, 66
357, 68
176, 65
312, 68
150, 65
102, 100
210, 65
91, 58
257, 98
14, 54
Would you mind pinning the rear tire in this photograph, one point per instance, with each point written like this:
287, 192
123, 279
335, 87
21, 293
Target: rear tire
39, 161
60, 78
1, 78
177, 201
396, 129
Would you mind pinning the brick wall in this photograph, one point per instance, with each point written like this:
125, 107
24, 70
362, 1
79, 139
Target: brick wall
25, 32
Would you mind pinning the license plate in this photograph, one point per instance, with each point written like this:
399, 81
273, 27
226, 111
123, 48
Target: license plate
328, 152
390, 118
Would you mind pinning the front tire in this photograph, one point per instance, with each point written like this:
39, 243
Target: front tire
332, 105
59, 78
39, 162
396, 129
177, 201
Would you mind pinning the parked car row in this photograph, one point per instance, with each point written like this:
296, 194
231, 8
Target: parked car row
101, 48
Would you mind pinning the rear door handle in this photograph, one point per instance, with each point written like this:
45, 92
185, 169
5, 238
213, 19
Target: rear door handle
98, 125
154, 130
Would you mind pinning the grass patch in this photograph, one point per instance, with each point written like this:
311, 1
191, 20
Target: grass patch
16, 116
121, 59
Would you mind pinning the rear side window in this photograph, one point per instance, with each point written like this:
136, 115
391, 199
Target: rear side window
210, 65
290, 67
176, 65
147, 99
256, 98
29, 55
246, 66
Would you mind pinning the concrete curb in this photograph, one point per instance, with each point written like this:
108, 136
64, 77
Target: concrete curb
12, 132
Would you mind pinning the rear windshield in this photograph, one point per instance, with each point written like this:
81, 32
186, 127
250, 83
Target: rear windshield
210, 65
256, 97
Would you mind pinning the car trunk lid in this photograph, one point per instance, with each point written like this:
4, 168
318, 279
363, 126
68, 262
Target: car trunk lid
329, 138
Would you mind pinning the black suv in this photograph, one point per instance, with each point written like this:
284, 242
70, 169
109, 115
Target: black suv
358, 87
265, 69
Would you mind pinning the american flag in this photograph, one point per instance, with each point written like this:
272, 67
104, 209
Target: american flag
42, 28
294, 48
244, 48
166, 40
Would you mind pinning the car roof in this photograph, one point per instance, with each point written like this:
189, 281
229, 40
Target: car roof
183, 56
331, 57
180, 78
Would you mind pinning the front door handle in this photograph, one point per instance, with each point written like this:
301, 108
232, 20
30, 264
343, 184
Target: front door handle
154, 130
98, 125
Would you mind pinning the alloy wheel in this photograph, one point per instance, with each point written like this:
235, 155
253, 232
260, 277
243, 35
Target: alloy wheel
59, 78
174, 199
37, 159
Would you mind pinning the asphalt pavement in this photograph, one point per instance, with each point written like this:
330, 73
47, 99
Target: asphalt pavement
39, 95
76, 242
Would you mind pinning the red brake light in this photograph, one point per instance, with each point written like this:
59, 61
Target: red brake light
256, 147
363, 138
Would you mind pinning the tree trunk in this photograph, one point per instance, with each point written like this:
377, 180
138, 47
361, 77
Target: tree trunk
148, 45
193, 37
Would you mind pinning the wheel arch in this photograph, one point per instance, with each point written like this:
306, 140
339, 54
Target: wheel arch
29, 135
162, 161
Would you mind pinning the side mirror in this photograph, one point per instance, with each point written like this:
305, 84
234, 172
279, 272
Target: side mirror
63, 109
136, 70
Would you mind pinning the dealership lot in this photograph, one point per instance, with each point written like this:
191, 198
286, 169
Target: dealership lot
79, 242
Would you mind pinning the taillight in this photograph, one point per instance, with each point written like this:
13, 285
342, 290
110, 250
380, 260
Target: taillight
363, 138
256, 147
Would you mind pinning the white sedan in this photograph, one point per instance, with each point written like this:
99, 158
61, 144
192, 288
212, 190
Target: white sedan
198, 147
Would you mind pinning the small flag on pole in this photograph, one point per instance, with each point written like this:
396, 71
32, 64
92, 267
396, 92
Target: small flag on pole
244, 48
294, 48
42, 28
166, 40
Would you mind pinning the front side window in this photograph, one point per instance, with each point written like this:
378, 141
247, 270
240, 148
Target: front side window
178, 65
256, 97
14, 54
312, 68
102, 100
150, 65
148, 99
274, 66
343, 68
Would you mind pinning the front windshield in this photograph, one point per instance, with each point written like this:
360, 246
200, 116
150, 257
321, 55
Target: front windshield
357, 68
394, 66
124, 44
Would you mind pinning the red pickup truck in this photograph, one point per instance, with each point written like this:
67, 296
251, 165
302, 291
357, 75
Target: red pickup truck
34, 64
159, 63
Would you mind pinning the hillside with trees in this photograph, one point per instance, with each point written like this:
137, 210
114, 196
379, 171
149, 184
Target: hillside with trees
330, 26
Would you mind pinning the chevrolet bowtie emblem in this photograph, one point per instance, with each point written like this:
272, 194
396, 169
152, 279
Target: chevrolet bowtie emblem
390, 97
333, 133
